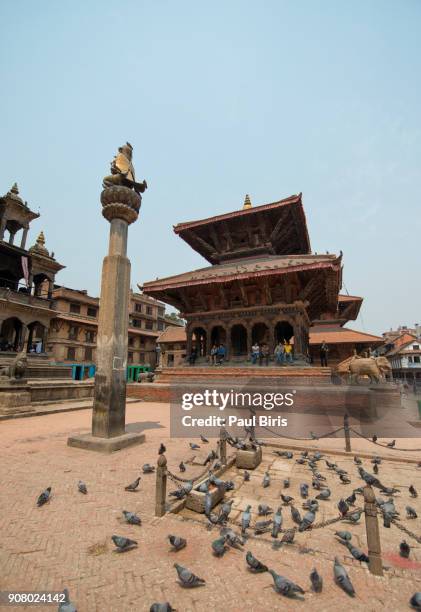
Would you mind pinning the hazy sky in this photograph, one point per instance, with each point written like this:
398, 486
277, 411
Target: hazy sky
221, 99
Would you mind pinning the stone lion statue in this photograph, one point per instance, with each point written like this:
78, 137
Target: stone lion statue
374, 367
17, 368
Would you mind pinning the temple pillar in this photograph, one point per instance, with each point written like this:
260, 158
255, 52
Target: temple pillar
3, 223
228, 345
24, 236
11, 238
189, 341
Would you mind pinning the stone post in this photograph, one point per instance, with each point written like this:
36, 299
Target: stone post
347, 434
121, 208
222, 447
161, 486
375, 564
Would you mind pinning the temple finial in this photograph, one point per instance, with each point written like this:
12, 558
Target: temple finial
41, 238
14, 189
247, 202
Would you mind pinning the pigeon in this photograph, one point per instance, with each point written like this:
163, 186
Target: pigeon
208, 503
232, 538
148, 469
344, 535
225, 510
311, 504
194, 446
246, 476
330, 466
413, 491
186, 578
284, 586
183, 491
266, 480
245, 519
344, 479
229, 485
131, 518
161, 607
324, 494
162, 449
288, 536
358, 554
357, 460
277, 522
304, 490
351, 499
262, 527
387, 520
286, 499
410, 512
316, 581
177, 542
354, 517
182, 467
404, 549
44, 497
296, 516
377, 460
308, 520
300, 461
133, 486
254, 564
81, 486
286, 483
203, 487
219, 547
123, 544
343, 507
374, 438
342, 578
313, 435
391, 444
66, 605
264, 510
415, 601
210, 457
316, 484
204, 440
375, 468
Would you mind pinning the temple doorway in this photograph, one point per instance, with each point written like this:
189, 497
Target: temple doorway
199, 341
260, 333
10, 334
283, 331
239, 340
218, 335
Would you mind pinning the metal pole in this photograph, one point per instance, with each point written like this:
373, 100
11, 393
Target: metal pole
161, 486
347, 435
375, 564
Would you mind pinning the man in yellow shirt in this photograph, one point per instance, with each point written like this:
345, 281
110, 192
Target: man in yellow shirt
288, 351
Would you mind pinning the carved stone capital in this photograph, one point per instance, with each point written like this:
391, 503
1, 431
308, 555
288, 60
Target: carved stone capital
120, 202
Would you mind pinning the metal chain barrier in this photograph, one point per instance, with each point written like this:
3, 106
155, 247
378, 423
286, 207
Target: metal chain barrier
417, 450
175, 478
315, 438
407, 531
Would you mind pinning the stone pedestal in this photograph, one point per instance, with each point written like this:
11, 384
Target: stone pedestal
120, 207
15, 396
248, 459
196, 500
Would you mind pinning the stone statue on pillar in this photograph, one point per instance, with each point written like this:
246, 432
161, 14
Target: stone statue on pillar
121, 202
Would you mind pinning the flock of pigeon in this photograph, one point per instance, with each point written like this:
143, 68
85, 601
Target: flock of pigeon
228, 538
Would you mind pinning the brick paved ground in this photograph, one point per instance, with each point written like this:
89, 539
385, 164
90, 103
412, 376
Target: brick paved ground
67, 542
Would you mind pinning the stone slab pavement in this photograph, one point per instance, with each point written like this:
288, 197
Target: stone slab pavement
67, 542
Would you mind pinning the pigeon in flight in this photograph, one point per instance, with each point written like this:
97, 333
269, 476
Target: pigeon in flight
186, 578
44, 497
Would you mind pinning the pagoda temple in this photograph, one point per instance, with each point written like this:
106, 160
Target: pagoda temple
264, 283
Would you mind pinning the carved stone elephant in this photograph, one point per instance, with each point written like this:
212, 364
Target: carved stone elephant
373, 367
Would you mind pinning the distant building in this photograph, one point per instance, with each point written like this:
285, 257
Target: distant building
172, 345
403, 350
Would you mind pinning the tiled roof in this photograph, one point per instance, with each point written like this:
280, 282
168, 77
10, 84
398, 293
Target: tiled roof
401, 347
333, 334
349, 298
173, 334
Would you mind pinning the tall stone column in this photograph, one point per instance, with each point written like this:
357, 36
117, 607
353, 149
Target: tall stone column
121, 206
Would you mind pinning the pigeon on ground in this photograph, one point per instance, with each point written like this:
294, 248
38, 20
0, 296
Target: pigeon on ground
374, 438
354, 517
133, 486
264, 510
324, 494
342, 578
204, 440
316, 581
203, 487
330, 466
300, 461
391, 444
177, 542
344, 535
316, 484
404, 549
284, 586
304, 490
313, 435
296, 516
343, 507
277, 522
81, 486
350, 500
182, 467
286, 483
288, 537
358, 554
225, 510
286, 499
377, 460
208, 503
44, 497
161, 607
194, 446
66, 605
357, 460
245, 519
415, 601
211, 457
413, 491
266, 480
148, 469
262, 527
219, 547
387, 520
308, 520
123, 544
131, 518
344, 479
376, 468
186, 578
246, 476
183, 491
254, 564
162, 449
410, 512
232, 538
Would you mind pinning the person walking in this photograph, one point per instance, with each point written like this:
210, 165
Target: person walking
288, 351
279, 353
255, 352
324, 349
